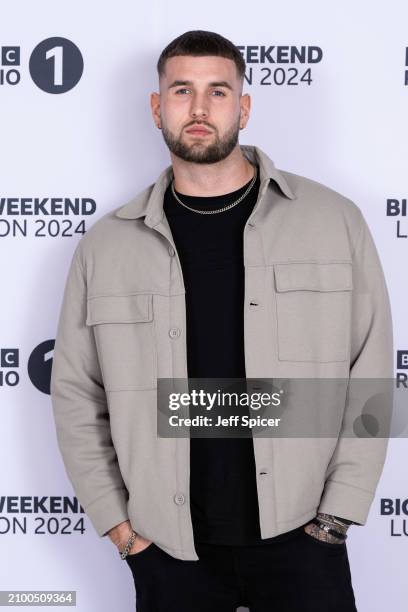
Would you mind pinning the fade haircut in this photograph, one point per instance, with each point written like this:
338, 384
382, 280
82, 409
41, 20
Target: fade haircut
198, 43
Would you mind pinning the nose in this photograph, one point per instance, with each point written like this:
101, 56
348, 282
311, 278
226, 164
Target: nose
199, 106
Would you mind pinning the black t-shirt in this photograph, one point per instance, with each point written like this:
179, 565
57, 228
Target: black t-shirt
223, 495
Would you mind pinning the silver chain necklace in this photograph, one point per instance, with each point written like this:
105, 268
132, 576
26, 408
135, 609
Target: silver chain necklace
218, 210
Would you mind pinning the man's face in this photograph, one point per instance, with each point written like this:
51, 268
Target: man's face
202, 92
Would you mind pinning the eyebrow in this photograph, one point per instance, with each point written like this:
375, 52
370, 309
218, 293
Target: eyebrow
177, 83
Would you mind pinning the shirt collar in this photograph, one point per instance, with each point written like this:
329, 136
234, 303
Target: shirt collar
149, 203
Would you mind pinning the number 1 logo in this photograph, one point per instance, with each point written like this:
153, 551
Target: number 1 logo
56, 65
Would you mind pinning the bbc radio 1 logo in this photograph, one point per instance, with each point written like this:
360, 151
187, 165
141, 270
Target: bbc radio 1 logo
39, 366
55, 65
9, 367
10, 66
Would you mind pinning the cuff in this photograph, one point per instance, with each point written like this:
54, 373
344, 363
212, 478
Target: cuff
108, 511
346, 501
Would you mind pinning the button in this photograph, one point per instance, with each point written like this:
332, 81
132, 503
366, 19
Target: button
179, 499
171, 251
174, 332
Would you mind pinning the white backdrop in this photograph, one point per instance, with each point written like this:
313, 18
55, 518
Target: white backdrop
347, 128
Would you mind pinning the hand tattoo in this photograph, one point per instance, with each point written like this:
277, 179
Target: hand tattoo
320, 534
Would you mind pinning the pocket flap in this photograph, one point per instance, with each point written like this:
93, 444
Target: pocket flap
313, 276
119, 308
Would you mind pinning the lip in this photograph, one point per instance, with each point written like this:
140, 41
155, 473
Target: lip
197, 130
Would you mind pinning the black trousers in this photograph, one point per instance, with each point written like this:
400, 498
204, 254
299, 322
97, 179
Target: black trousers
294, 573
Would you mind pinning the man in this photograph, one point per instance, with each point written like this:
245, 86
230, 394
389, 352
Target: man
225, 267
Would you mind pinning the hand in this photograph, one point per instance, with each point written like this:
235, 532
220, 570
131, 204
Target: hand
119, 534
320, 534
139, 544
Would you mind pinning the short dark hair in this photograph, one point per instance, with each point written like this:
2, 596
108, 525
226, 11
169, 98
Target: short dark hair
198, 43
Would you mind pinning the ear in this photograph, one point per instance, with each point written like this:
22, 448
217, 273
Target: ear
155, 108
245, 104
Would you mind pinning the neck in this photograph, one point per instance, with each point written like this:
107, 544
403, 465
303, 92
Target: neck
209, 180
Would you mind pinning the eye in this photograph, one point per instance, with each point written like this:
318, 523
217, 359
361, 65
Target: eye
215, 91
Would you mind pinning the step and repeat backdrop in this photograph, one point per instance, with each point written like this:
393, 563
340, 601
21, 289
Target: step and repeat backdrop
329, 88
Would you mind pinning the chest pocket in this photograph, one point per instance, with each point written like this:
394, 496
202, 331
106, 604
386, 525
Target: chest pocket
124, 336
313, 302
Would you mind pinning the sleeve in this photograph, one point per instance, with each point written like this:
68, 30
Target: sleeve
80, 411
358, 459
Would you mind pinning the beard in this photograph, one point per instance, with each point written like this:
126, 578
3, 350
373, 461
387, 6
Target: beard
198, 152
